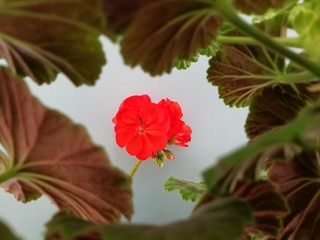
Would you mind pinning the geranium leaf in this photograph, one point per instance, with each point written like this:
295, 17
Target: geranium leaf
298, 180
223, 219
57, 36
269, 207
241, 72
258, 7
189, 190
275, 107
6, 233
119, 15
163, 31
304, 19
210, 51
248, 161
65, 226
48, 154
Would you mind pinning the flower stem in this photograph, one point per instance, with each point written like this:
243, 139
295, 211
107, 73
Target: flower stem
226, 9
135, 168
291, 42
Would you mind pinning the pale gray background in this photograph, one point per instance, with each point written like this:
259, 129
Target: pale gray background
217, 130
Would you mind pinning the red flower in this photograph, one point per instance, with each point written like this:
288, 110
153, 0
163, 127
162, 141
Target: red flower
179, 133
141, 126
182, 137
145, 128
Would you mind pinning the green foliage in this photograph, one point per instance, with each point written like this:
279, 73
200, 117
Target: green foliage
6, 233
223, 219
267, 189
305, 19
248, 161
189, 190
210, 51
252, 6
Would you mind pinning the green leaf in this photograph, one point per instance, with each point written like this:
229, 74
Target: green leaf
163, 31
223, 219
64, 226
258, 7
241, 72
184, 64
210, 51
248, 161
276, 106
48, 154
40, 38
6, 233
305, 19
189, 190
298, 181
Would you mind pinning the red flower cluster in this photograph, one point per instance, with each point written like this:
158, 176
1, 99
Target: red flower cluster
145, 128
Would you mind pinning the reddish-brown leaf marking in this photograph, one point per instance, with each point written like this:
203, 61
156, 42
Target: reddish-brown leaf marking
51, 155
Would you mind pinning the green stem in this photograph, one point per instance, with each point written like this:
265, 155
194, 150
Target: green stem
301, 77
291, 42
226, 9
135, 168
7, 175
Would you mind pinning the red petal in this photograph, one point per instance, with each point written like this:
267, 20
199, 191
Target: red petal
135, 145
123, 135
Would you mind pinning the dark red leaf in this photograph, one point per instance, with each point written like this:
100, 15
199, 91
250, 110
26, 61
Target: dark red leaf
241, 72
41, 38
276, 106
269, 207
165, 30
120, 14
48, 154
298, 180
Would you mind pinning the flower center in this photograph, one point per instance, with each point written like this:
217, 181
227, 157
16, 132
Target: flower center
140, 129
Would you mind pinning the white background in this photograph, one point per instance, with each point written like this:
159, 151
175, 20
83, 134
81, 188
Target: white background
217, 130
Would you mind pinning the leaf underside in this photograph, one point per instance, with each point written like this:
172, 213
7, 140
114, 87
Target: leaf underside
57, 37
241, 72
50, 155
298, 180
275, 107
268, 205
163, 31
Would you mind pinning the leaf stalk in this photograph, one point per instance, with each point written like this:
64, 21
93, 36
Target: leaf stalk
226, 9
135, 168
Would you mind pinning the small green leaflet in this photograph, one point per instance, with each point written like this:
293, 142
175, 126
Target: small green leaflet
189, 190
210, 51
